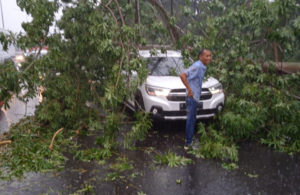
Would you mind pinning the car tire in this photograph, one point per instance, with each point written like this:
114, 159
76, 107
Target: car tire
139, 102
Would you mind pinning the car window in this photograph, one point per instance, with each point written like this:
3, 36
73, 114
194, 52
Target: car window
165, 66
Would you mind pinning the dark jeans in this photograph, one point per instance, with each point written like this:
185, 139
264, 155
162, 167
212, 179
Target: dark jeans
191, 109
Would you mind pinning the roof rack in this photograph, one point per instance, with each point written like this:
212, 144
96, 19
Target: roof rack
148, 47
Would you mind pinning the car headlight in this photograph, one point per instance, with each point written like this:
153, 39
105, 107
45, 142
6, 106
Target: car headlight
154, 91
216, 89
19, 58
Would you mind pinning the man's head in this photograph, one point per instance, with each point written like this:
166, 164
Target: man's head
205, 56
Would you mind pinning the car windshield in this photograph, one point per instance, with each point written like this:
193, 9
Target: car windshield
165, 66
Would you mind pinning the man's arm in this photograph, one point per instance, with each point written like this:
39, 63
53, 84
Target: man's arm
186, 83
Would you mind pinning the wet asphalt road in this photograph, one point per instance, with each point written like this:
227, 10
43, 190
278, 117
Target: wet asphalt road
17, 110
261, 170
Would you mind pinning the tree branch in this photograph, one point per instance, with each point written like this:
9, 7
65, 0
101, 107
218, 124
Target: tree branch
120, 12
202, 31
55, 134
5, 142
166, 20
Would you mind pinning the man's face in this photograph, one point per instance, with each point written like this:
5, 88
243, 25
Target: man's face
205, 57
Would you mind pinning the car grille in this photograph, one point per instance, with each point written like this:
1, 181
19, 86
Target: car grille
179, 95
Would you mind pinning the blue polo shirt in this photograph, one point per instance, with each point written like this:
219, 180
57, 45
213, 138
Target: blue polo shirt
195, 75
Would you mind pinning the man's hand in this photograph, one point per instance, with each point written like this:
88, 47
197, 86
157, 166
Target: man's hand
185, 82
190, 93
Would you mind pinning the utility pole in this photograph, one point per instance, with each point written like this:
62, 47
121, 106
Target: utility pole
2, 14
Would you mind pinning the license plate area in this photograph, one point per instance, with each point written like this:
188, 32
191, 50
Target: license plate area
182, 106
200, 105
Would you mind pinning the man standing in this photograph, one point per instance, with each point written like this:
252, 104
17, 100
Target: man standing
192, 79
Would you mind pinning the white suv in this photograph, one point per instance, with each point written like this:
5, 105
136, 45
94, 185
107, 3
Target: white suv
163, 93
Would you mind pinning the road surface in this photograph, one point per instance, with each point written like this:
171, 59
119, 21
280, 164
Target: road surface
17, 110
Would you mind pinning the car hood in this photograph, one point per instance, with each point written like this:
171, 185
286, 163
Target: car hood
174, 82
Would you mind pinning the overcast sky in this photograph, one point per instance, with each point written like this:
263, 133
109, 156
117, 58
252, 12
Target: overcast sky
13, 16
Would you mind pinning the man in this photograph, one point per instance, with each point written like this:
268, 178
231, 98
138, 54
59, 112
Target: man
192, 79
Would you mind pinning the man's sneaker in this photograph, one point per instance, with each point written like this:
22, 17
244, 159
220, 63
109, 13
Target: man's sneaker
187, 147
193, 146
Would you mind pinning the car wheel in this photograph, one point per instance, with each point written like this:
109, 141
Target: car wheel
139, 102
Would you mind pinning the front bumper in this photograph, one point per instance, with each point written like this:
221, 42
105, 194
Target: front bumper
161, 107
157, 112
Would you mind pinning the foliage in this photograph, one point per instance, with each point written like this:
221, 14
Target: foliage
29, 150
215, 144
113, 176
178, 181
121, 165
138, 130
87, 189
93, 51
9, 82
252, 175
243, 35
230, 166
92, 154
172, 160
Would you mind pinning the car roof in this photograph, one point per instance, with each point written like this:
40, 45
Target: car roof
168, 53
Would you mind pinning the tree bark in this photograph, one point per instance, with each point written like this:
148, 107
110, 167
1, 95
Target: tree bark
166, 20
275, 50
172, 8
137, 12
5, 142
55, 134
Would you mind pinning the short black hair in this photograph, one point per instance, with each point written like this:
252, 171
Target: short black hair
201, 52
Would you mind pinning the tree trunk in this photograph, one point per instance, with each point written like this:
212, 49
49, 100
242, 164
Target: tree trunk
166, 20
172, 9
137, 12
275, 50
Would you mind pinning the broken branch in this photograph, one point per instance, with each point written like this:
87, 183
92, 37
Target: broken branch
52, 141
5, 142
